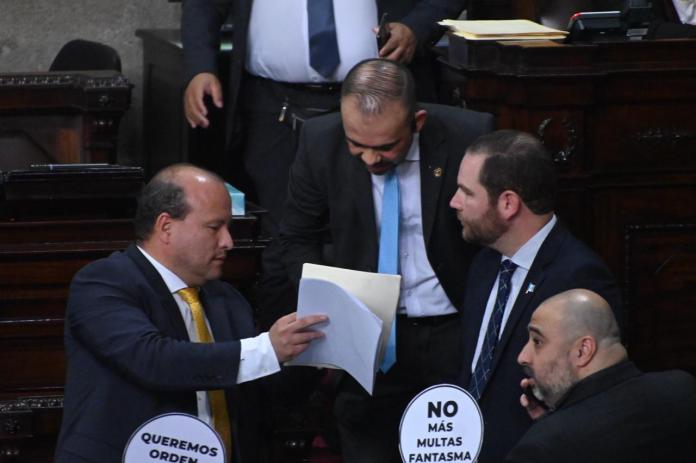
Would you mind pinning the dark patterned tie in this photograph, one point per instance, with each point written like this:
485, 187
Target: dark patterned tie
323, 44
483, 366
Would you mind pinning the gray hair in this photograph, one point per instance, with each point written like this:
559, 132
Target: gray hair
375, 81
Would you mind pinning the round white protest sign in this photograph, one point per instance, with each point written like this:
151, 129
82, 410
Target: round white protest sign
442, 423
174, 438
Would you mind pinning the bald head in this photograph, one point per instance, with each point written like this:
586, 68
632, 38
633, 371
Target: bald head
166, 192
582, 312
183, 221
571, 336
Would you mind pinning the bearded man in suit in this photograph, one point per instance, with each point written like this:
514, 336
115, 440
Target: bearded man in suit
600, 406
504, 201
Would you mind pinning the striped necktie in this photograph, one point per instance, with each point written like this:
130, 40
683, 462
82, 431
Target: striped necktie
483, 366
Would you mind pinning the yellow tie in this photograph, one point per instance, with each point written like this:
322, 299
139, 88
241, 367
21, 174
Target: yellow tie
218, 403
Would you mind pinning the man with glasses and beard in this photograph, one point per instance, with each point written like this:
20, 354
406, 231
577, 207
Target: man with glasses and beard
601, 407
505, 201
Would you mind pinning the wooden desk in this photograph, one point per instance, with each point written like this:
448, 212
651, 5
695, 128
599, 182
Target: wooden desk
619, 121
60, 117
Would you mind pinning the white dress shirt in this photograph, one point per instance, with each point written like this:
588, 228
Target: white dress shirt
278, 40
257, 356
524, 258
421, 294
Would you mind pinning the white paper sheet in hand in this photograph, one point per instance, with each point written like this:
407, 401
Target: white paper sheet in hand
351, 335
378, 291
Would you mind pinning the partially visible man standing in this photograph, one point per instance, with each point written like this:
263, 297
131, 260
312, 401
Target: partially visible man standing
376, 179
150, 330
603, 409
288, 60
505, 201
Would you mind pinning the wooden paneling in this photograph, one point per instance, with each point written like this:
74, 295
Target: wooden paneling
618, 118
64, 117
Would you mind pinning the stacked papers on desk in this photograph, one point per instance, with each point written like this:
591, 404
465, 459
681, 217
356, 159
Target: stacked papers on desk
512, 29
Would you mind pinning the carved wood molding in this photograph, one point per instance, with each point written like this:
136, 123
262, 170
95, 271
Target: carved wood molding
52, 80
664, 135
31, 403
570, 136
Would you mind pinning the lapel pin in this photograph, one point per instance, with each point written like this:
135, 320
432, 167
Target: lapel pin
530, 288
437, 172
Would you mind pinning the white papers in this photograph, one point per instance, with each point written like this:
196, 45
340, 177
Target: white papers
351, 335
361, 307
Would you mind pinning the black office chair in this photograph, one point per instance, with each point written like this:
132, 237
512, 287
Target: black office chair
83, 55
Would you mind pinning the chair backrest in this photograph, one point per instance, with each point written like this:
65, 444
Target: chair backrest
83, 55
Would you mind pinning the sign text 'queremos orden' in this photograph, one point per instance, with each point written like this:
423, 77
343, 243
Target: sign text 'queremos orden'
174, 438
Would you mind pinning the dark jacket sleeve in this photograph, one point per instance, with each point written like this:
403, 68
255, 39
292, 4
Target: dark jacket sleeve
424, 16
200, 34
108, 315
306, 211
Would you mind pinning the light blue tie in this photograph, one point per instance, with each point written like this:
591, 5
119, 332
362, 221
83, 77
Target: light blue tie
323, 43
389, 250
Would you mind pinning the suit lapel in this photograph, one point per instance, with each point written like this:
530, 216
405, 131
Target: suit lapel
156, 282
433, 160
527, 297
360, 187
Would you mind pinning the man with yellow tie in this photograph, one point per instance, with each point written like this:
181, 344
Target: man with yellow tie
151, 330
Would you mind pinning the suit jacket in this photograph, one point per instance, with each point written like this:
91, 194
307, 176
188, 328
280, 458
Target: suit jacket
617, 415
331, 190
562, 263
201, 21
130, 359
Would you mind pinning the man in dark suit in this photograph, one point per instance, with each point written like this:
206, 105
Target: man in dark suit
505, 202
273, 86
140, 342
337, 188
602, 408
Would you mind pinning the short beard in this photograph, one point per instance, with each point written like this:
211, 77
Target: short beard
485, 231
560, 380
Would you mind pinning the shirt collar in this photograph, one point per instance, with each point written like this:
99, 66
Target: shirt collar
524, 257
173, 282
413, 153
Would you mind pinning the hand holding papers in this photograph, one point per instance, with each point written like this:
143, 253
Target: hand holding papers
361, 307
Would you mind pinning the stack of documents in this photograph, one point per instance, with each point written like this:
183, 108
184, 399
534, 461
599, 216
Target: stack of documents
361, 307
512, 29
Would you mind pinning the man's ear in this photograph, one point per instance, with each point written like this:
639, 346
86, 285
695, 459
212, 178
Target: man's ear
419, 120
163, 227
508, 204
583, 351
